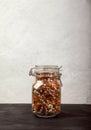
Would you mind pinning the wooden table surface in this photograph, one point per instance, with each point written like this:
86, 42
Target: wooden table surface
20, 117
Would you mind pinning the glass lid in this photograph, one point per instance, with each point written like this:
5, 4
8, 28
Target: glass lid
44, 69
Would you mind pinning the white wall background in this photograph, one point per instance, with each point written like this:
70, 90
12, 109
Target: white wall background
45, 32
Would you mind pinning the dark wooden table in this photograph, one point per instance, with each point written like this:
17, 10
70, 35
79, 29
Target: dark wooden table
20, 117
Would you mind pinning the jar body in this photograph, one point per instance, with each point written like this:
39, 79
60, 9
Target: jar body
46, 95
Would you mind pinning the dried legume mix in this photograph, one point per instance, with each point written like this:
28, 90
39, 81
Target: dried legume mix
46, 94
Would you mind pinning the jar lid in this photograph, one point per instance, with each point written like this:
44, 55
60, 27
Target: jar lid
47, 66
44, 69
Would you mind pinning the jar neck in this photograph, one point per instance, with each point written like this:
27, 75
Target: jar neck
46, 75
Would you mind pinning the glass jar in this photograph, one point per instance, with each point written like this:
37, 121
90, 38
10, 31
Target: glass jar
46, 90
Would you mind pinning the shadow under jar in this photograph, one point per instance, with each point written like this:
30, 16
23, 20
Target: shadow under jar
46, 90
